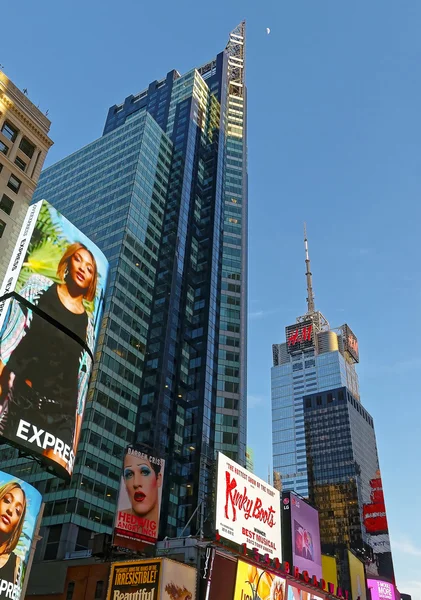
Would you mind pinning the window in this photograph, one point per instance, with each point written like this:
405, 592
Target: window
99, 590
6, 204
319, 400
20, 163
2, 227
3, 148
70, 590
27, 147
329, 398
14, 183
9, 131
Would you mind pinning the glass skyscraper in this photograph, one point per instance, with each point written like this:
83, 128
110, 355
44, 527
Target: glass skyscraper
324, 445
163, 193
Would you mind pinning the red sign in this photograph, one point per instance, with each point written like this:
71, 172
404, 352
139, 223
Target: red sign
374, 513
299, 335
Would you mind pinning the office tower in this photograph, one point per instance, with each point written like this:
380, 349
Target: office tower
163, 193
323, 438
24, 144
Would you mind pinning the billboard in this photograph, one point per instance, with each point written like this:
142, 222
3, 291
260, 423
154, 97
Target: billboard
329, 570
357, 577
154, 579
296, 593
217, 576
247, 509
139, 500
300, 336
351, 343
252, 582
381, 590
20, 504
302, 521
53, 291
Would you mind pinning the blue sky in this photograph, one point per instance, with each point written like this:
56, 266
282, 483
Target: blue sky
334, 139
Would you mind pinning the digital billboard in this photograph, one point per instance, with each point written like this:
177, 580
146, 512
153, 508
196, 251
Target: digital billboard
381, 590
252, 582
217, 576
357, 576
154, 579
329, 570
139, 500
50, 306
301, 540
247, 509
20, 504
351, 343
300, 336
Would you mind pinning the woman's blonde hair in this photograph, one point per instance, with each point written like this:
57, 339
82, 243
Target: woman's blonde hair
17, 532
64, 264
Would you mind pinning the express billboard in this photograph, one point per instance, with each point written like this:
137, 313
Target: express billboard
252, 582
50, 306
357, 577
381, 590
301, 540
247, 509
20, 504
155, 579
139, 500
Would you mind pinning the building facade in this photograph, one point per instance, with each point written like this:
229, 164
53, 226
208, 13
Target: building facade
24, 144
163, 193
324, 445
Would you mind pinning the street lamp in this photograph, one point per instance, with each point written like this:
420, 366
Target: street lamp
254, 590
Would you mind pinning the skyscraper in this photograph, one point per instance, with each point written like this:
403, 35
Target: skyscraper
324, 445
24, 144
163, 193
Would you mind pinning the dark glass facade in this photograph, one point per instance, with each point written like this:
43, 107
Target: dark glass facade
342, 462
164, 194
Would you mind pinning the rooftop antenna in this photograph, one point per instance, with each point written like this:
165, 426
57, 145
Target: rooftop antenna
310, 295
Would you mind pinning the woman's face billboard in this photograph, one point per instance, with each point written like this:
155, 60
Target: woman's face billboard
139, 500
20, 505
50, 308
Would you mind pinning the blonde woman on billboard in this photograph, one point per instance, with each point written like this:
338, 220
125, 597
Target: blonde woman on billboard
43, 371
142, 479
12, 518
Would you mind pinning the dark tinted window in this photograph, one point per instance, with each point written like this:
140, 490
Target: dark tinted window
9, 131
6, 204
27, 147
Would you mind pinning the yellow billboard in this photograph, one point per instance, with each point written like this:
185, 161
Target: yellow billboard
329, 570
251, 582
357, 576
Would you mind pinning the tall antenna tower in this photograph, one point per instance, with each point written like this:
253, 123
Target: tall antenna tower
310, 294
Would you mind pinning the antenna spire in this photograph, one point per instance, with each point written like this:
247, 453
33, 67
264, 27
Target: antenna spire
310, 295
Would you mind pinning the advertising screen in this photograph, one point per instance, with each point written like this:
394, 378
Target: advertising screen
357, 576
329, 570
300, 336
139, 500
50, 306
217, 577
252, 582
155, 579
306, 549
20, 504
381, 590
140, 579
247, 509
351, 342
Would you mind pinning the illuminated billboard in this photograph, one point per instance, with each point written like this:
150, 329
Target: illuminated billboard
301, 539
381, 590
252, 582
329, 570
139, 500
217, 576
20, 504
357, 577
351, 343
247, 509
50, 306
154, 579
300, 336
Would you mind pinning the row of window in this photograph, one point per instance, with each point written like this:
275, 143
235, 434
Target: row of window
11, 133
